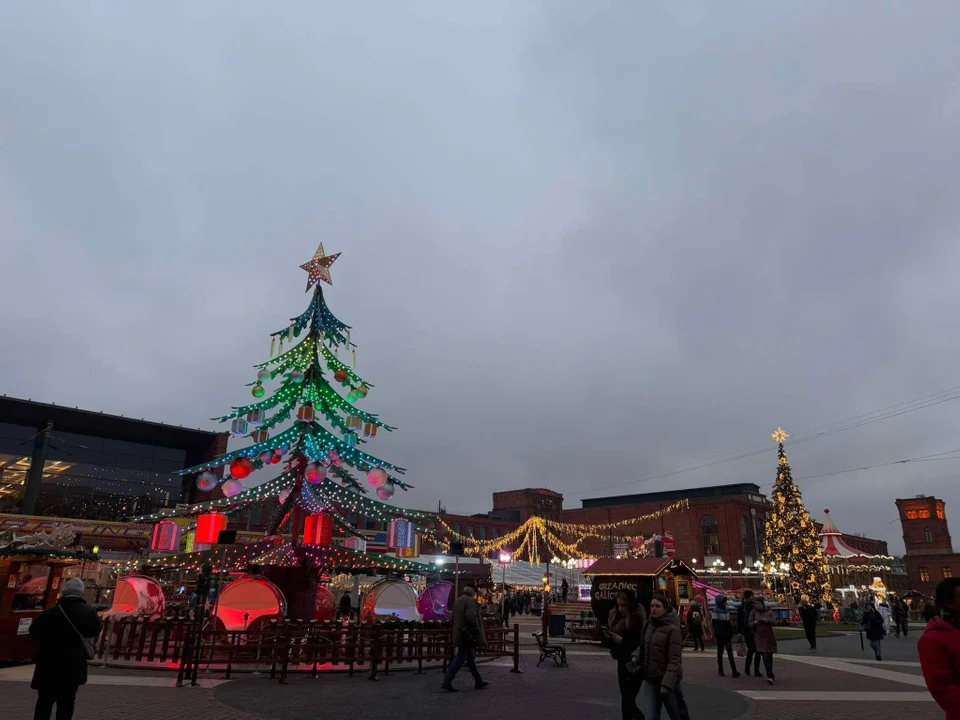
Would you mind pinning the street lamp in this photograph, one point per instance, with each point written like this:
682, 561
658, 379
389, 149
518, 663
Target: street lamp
504, 561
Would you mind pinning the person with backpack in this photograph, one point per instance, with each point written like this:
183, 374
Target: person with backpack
723, 632
63, 633
695, 626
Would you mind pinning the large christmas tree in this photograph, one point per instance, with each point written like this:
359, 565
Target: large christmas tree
316, 380
791, 536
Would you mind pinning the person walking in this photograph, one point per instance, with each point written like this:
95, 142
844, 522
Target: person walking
809, 616
468, 636
723, 632
743, 623
345, 606
872, 625
61, 632
507, 600
886, 614
625, 632
901, 616
695, 626
762, 623
564, 589
660, 655
939, 649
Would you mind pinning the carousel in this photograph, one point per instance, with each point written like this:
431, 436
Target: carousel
853, 572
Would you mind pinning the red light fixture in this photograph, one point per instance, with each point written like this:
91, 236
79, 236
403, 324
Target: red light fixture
318, 530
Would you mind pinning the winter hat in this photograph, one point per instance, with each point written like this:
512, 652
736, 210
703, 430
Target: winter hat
73, 587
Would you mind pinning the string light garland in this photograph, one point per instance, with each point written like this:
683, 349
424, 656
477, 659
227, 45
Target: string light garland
792, 542
561, 539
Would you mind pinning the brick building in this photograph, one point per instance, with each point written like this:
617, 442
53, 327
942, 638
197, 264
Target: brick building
520, 505
723, 522
929, 550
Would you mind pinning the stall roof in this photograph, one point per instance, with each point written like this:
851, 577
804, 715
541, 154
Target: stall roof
629, 566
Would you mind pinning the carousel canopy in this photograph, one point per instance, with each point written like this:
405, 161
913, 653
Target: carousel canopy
833, 546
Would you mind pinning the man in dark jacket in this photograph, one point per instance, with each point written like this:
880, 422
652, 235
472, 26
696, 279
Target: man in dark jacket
723, 632
743, 624
939, 649
625, 624
345, 605
62, 661
468, 636
808, 616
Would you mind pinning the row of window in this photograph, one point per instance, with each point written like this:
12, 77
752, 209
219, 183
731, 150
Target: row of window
946, 571
481, 532
710, 536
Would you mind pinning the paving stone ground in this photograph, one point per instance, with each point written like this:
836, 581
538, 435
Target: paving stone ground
587, 688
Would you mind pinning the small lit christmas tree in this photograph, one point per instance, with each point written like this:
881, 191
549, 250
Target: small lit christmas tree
792, 538
315, 463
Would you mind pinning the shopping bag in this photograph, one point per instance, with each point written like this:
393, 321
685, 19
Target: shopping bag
741, 647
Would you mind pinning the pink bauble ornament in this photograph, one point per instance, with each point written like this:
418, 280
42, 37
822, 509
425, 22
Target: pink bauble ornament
377, 477
232, 487
314, 473
282, 497
386, 492
337, 462
266, 457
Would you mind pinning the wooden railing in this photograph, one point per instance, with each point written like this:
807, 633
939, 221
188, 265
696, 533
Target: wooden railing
281, 647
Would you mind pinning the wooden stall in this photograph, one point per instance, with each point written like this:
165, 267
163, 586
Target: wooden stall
640, 577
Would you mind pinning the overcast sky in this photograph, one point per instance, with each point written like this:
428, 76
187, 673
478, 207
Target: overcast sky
583, 242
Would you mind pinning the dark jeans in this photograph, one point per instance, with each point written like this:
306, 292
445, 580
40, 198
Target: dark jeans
725, 642
767, 664
464, 655
753, 657
902, 627
672, 702
697, 635
629, 689
811, 633
64, 699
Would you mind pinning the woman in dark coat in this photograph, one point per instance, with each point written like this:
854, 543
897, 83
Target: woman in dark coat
62, 661
625, 631
762, 622
872, 624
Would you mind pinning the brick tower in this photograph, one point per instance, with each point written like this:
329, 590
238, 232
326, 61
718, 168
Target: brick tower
924, 523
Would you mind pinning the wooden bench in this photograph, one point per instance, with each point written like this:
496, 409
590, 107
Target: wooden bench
588, 633
552, 652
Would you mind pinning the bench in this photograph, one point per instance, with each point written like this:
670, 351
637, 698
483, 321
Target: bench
584, 633
550, 652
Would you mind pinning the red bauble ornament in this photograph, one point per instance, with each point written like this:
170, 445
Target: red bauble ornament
241, 468
275, 459
340, 375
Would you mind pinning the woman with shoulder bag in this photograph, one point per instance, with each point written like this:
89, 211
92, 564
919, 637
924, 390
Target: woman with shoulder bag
661, 655
625, 630
63, 633
762, 622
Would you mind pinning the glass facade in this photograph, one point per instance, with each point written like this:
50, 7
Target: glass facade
89, 477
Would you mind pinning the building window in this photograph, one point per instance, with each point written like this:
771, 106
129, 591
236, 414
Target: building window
761, 534
924, 574
940, 513
947, 571
483, 533
456, 528
924, 514
496, 533
911, 514
470, 531
927, 535
746, 536
709, 535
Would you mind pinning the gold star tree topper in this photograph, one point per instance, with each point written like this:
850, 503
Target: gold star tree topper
779, 436
319, 267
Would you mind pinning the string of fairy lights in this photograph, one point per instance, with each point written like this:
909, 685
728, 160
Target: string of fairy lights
538, 534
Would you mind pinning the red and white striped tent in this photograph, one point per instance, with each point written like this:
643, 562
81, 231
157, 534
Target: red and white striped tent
833, 546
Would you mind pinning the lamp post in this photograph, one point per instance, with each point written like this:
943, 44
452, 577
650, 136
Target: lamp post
504, 561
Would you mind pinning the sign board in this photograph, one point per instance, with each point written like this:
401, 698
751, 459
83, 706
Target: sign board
604, 590
621, 548
23, 626
683, 591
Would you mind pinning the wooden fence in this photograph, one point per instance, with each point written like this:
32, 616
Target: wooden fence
281, 647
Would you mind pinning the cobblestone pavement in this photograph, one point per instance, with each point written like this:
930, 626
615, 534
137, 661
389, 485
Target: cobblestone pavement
588, 687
